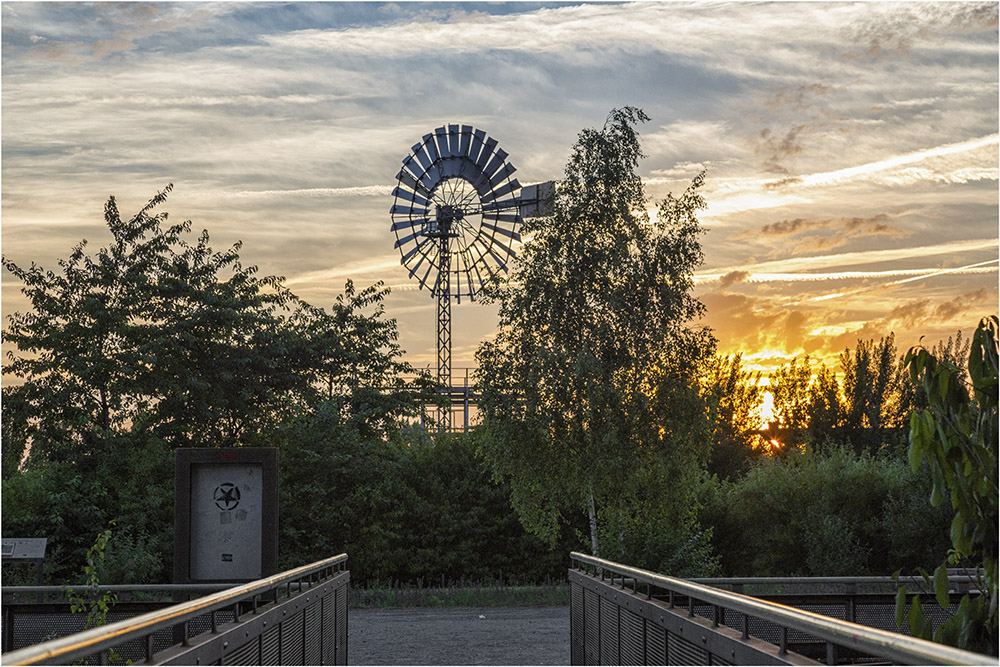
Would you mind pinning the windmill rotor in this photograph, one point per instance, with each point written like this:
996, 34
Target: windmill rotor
456, 184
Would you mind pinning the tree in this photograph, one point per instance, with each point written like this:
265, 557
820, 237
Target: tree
790, 388
874, 402
149, 335
826, 409
155, 342
734, 400
592, 341
353, 361
82, 341
956, 435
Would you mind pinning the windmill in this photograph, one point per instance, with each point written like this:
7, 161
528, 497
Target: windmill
455, 214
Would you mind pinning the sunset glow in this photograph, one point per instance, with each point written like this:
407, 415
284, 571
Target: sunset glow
851, 150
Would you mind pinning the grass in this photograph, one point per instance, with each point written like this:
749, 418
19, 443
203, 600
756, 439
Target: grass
475, 595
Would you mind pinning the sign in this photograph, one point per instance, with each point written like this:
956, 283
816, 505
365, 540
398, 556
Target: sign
23, 548
225, 514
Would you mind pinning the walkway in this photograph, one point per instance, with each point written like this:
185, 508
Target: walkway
459, 636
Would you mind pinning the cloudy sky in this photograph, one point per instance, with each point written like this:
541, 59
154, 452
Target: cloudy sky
851, 149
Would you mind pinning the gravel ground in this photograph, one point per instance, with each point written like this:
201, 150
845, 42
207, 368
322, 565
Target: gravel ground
459, 636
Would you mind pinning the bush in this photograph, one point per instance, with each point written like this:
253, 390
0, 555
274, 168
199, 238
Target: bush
824, 514
413, 509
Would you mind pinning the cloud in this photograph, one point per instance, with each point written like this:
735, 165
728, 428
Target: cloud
861, 257
971, 268
92, 32
774, 149
883, 35
734, 277
796, 97
359, 191
838, 231
866, 170
752, 323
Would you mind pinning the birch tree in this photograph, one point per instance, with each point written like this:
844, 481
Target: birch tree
589, 390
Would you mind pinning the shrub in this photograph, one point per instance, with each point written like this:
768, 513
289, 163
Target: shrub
824, 514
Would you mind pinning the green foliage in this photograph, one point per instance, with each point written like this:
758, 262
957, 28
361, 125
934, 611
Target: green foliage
823, 513
92, 600
156, 342
150, 334
956, 435
734, 398
589, 390
410, 509
58, 501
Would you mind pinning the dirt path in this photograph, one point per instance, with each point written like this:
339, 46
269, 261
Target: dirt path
459, 636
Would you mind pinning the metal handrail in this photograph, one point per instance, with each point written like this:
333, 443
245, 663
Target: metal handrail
88, 642
880, 643
960, 581
86, 589
117, 588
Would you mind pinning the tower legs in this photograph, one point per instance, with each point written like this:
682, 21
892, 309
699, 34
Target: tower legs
444, 330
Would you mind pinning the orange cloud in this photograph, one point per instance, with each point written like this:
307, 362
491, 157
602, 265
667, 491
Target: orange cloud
772, 332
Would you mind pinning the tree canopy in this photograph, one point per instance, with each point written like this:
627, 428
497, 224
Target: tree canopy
589, 390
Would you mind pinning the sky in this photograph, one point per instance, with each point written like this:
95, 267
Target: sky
851, 149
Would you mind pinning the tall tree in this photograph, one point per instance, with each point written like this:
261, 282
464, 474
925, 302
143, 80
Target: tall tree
790, 388
593, 337
84, 343
151, 332
734, 398
826, 409
874, 402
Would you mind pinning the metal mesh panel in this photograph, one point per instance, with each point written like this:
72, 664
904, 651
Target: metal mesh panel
291, 639
631, 637
576, 624
313, 635
31, 628
656, 644
270, 646
341, 604
202, 624
330, 628
883, 616
248, 654
609, 633
591, 628
682, 652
